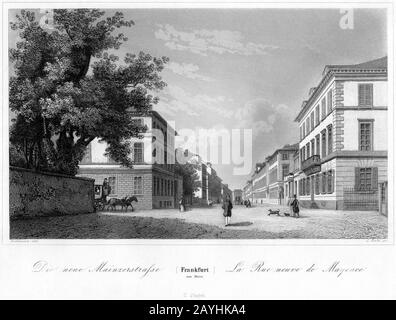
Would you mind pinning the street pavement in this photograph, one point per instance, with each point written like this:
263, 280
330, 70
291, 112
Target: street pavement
312, 222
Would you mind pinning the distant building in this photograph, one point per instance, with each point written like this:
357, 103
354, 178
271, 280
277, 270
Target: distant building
152, 179
247, 191
210, 188
226, 191
268, 178
343, 138
237, 196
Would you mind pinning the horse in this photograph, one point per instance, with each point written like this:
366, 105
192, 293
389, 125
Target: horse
128, 202
124, 202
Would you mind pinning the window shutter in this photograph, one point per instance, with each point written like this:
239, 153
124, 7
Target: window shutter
370, 95
357, 178
374, 178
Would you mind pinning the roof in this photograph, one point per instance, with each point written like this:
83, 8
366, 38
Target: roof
378, 65
287, 147
151, 113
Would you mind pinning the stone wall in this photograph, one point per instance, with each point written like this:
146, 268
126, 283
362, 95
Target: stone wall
35, 193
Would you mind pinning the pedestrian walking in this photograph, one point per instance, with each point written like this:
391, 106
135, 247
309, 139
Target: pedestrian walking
296, 207
227, 210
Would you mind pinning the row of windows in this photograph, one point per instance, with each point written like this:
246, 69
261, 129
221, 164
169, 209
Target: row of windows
165, 204
365, 100
137, 185
273, 175
163, 187
320, 183
321, 145
366, 179
317, 115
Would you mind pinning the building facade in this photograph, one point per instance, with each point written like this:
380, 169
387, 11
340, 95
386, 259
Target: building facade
152, 179
210, 187
343, 136
247, 191
237, 196
268, 178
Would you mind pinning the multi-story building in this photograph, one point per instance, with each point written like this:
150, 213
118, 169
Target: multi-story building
210, 187
290, 183
268, 178
226, 191
152, 179
343, 136
214, 185
237, 196
247, 191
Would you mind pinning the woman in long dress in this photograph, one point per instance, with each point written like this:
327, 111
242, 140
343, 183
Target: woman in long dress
296, 207
181, 204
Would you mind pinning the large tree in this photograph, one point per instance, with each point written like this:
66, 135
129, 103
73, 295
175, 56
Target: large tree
67, 89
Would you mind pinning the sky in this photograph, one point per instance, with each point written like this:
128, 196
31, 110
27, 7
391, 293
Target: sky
248, 68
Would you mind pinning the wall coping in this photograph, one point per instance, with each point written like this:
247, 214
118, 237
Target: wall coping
52, 174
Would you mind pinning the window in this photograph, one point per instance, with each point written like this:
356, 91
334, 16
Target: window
330, 181
317, 149
303, 129
301, 135
113, 185
285, 170
365, 135
329, 101
308, 187
317, 191
313, 147
162, 187
137, 122
324, 181
312, 121
323, 143
366, 178
306, 127
365, 95
308, 150
323, 109
138, 152
154, 186
285, 156
138, 185
317, 115
329, 139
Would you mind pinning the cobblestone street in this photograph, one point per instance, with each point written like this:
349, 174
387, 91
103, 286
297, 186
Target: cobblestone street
205, 223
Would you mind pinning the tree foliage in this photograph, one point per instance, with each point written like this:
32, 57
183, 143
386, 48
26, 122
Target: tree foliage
190, 177
68, 89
